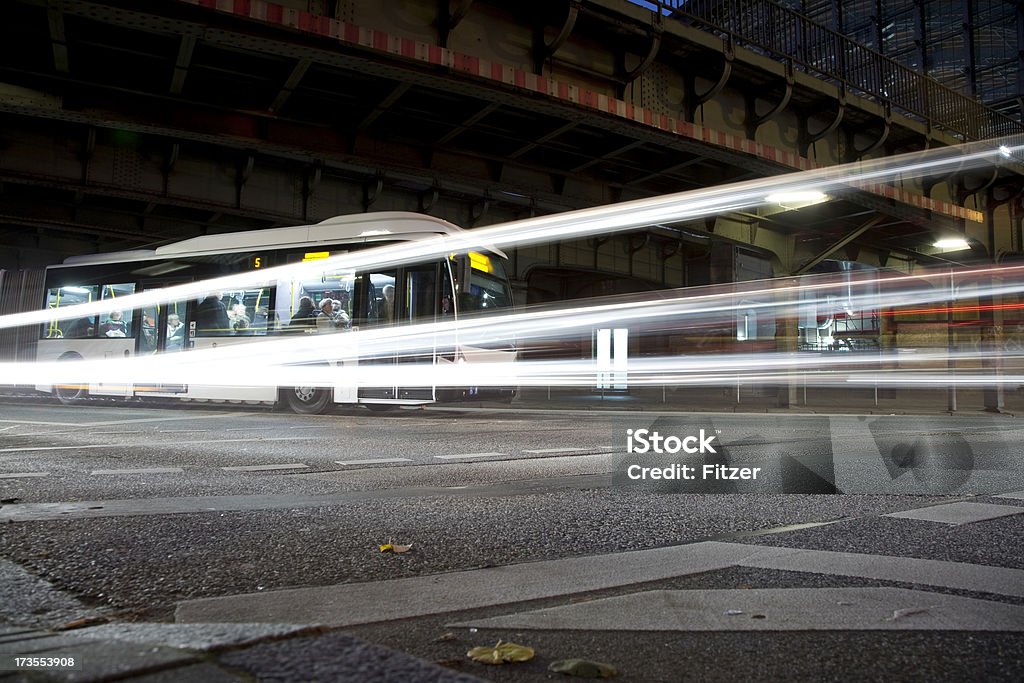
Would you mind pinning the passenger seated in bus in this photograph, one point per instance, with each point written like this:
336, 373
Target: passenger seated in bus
339, 315
446, 306
175, 333
387, 308
239, 320
83, 327
149, 335
114, 326
344, 303
212, 316
325, 321
305, 314
259, 318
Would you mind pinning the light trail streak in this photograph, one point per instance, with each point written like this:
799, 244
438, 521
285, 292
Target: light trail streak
895, 369
575, 224
678, 311
283, 361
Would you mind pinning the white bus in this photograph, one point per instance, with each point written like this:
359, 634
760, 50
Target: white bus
445, 288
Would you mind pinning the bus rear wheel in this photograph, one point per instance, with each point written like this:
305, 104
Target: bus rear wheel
307, 400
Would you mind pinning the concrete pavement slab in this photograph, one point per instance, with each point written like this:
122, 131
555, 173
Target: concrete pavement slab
959, 513
201, 637
1015, 495
770, 609
195, 673
101, 661
336, 657
959, 575
364, 603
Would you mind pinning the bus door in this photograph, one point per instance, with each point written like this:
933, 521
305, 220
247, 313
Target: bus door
401, 297
164, 329
376, 305
117, 328
419, 300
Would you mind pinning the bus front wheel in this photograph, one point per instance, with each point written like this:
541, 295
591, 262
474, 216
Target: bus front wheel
70, 394
308, 400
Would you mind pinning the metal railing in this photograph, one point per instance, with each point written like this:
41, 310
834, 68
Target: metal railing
783, 34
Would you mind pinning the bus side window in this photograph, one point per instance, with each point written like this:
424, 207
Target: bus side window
69, 328
117, 323
420, 294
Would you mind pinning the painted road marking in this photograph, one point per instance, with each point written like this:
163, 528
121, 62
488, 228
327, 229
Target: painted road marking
371, 461
53, 448
959, 513
107, 423
770, 609
555, 450
19, 475
472, 589
470, 455
144, 470
1016, 495
176, 443
260, 468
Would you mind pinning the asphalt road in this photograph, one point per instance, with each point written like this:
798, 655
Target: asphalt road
124, 512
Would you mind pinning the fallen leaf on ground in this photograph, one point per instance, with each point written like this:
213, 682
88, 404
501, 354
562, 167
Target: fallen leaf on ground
393, 547
81, 623
583, 668
501, 653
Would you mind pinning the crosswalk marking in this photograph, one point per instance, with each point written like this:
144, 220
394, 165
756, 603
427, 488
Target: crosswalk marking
19, 475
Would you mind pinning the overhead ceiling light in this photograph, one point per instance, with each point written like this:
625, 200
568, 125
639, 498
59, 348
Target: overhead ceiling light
952, 243
797, 197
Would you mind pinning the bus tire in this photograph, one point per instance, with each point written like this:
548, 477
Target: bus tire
70, 394
307, 400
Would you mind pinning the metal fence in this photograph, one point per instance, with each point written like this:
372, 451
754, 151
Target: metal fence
780, 33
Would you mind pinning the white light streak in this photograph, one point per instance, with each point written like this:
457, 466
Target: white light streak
565, 226
339, 359
952, 243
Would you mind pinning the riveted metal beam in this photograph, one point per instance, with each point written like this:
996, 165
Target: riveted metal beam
58, 39
753, 120
839, 244
449, 17
294, 78
693, 99
806, 137
543, 50
468, 123
181, 64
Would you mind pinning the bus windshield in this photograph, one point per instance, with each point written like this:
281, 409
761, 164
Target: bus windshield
486, 287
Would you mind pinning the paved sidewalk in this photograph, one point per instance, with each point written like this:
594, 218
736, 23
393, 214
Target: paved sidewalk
939, 589
206, 653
